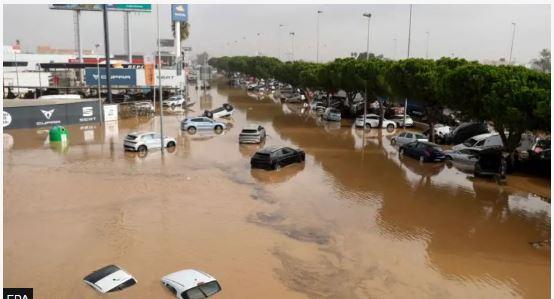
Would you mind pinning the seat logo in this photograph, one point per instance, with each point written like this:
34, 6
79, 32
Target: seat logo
87, 111
47, 113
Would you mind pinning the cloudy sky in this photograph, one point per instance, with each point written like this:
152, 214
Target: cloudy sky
470, 31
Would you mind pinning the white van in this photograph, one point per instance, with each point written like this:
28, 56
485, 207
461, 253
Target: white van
480, 141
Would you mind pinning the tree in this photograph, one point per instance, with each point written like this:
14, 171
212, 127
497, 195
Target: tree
373, 73
202, 57
349, 78
513, 98
184, 30
542, 63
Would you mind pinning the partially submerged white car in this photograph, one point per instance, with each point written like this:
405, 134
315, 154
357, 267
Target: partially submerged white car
191, 284
110, 279
143, 141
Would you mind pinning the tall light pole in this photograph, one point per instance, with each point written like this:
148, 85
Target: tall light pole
160, 80
107, 54
368, 16
427, 46
16, 74
409, 39
292, 46
96, 46
394, 49
279, 41
512, 45
317, 37
258, 43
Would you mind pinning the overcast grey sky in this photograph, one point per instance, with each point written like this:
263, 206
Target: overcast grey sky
469, 31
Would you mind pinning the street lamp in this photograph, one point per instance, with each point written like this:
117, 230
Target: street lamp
368, 16
512, 46
292, 46
427, 46
258, 43
394, 49
96, 46
317, 39
409, 39
279, 41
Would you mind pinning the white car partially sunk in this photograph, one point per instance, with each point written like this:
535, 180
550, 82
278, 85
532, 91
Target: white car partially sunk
143, 141
372, 121
191, 284
110, 279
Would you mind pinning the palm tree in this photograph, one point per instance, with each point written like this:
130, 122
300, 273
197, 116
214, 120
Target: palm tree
184, 30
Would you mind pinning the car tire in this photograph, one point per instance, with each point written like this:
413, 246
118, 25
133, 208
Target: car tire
171, 144
368, 126
172, 105
142, 149
390, 127
393, 141
191, 130
218, 128
276, 166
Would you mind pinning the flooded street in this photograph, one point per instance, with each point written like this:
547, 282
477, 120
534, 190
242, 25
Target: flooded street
354, 221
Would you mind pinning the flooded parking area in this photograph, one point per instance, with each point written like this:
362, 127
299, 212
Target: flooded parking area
355, 220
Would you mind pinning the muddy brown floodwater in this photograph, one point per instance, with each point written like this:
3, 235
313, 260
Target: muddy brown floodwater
356, 221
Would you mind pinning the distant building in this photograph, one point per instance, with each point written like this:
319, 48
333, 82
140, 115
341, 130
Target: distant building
50, 50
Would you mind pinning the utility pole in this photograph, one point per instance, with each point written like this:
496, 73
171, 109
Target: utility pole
394, 51
160, 80
317, 38
409, 38
107, 49
16, 74
258, 44
512, 45
78, 42
368, 16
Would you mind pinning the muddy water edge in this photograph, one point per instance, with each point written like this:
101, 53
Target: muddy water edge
354, 221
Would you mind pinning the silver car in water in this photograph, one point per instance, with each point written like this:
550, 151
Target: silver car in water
252, 134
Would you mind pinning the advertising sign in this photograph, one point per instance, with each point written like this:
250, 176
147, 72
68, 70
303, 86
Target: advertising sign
127, 77
111, 112
167, 42
149, 78
49, 115
98, 7
179, 12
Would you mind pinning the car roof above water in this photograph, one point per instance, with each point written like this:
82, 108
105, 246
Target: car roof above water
270, 149
139, 133
189, 278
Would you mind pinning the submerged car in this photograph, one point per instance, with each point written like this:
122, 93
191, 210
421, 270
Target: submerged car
407, 137
191, 284
423, 151
331, 114
201, 123
224, 111
174, 101
110, 279
275, 157
491, 162
143, 141
252, 134
372, 121
465, 131
440, 131
399, 120
482, 141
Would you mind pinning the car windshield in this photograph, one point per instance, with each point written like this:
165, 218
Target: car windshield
131, 137
469, 142
210, 288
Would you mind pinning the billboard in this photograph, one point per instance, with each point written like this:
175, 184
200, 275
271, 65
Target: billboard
127, 77
149, 69
167, 42
49, 115
119, 7
179, 12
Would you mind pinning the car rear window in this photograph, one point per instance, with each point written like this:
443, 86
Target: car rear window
469, 142
210, 288
131, 137
249, 131
262, 155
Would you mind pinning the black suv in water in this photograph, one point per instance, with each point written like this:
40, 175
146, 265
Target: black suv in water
465, 131
276, 157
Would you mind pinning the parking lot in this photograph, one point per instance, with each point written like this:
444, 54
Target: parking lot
355, 220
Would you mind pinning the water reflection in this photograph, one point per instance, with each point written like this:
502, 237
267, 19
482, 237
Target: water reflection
275, 177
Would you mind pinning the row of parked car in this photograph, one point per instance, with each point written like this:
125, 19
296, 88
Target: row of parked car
184, 284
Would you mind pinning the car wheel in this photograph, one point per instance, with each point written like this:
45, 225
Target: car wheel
390, 127
142, 148
218, 128
276, 166
191, 130
368, 126
171, 144
393, 141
